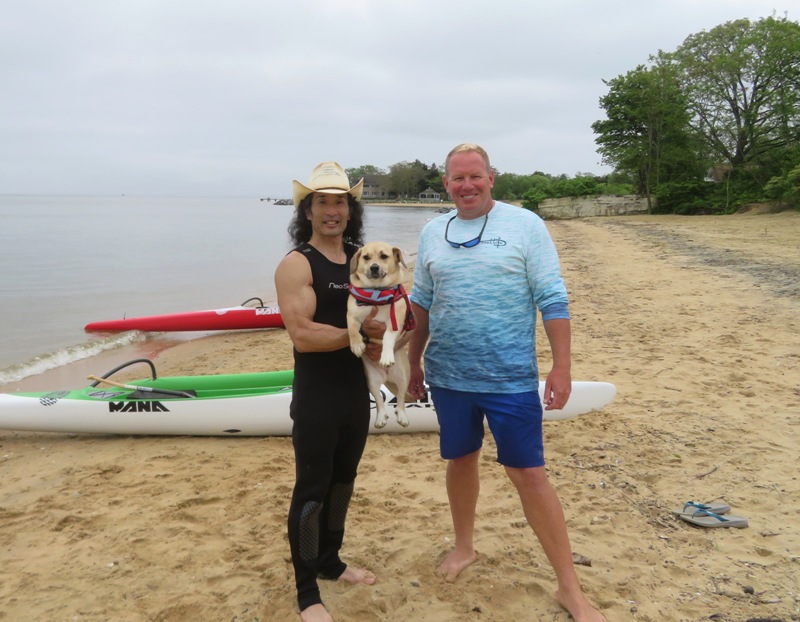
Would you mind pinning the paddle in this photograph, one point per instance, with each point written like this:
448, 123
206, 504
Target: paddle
145, 389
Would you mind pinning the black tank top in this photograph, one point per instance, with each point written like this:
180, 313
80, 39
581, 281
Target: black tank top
339, 370
330, 283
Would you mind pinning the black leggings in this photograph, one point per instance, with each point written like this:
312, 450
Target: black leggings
329, 436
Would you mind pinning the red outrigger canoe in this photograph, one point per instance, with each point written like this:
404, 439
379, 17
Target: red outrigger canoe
230, 318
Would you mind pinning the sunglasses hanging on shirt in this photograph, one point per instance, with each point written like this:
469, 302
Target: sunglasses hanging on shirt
468, 243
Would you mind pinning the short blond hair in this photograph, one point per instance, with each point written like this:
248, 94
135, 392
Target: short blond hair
467, 147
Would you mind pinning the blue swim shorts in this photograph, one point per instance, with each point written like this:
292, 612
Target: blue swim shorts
515, 420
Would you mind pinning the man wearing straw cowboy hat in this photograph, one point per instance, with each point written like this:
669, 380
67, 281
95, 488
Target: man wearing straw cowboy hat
330, 400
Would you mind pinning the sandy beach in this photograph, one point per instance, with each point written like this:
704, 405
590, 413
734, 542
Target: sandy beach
695, 319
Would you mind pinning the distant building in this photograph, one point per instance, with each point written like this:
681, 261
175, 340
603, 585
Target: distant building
373, 188
720, 172
430, 195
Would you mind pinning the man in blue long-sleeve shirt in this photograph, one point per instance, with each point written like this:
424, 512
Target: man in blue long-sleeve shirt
480, 276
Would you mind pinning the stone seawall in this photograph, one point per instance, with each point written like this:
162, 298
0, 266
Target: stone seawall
602, 205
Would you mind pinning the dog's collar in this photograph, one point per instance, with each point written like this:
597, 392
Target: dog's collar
387, 296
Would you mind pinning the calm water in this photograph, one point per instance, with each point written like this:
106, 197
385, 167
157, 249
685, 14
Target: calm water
68, 261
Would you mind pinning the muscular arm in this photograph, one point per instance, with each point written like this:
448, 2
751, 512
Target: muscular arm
298, 303
558, 385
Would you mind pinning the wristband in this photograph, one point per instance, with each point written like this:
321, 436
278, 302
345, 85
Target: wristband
364, 335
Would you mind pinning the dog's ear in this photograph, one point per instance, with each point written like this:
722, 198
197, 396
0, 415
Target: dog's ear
354, 261
398, 256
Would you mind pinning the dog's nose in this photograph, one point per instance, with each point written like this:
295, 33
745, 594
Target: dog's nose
374, 270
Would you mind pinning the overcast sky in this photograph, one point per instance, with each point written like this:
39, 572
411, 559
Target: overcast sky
238, 97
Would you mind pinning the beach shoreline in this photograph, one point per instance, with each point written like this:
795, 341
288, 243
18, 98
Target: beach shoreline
429, 204
695, 319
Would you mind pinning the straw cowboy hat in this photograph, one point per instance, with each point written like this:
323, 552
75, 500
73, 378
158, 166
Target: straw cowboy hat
328, 177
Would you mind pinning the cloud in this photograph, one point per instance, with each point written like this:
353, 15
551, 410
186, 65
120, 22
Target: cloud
179, 97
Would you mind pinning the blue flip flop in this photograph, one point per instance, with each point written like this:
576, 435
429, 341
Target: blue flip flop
704, 518
690, 507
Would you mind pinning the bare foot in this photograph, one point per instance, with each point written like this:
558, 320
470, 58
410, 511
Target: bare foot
318, 613
454, 563
357, 575
579, 607
315, 613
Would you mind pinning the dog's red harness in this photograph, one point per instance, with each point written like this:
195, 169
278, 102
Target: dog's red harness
388, 296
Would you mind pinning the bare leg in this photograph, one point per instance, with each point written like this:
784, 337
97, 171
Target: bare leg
463, 486
546, 517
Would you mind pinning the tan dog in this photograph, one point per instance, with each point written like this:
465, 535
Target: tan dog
376, 276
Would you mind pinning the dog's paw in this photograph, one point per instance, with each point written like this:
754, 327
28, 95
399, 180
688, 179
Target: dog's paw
387, 359
402, 419
358, 348
381, 420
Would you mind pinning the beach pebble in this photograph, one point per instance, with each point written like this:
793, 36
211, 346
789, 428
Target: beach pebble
581, 560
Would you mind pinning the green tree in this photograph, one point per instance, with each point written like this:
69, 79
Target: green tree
742, 85
541, 188
647, 132
356, 173
510, 186
407, 179
434, 179
579, 186
785, 188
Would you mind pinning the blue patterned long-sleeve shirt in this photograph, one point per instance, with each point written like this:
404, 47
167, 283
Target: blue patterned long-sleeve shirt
482, 301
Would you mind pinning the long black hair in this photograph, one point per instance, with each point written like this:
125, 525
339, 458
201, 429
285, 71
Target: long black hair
300, 227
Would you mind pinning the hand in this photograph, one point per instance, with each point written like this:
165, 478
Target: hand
557, 389
416, 383
374, 350
373, 329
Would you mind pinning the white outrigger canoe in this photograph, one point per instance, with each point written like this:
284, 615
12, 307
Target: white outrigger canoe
254, 404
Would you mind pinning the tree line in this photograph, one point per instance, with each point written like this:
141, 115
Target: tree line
406, 180
714, 124
706, 128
